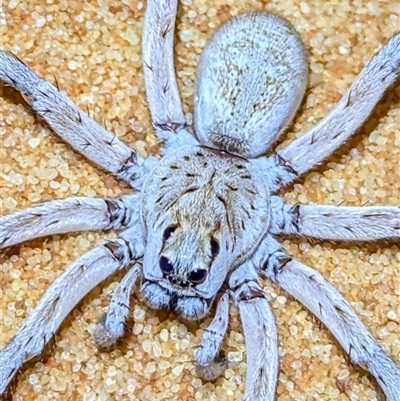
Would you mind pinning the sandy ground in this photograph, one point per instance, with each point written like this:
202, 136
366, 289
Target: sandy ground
93, 50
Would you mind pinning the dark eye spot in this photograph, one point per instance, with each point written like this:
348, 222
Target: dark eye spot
214, 247
166, 266
168, 232
197, 276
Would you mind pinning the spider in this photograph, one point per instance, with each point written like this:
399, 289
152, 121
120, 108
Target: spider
200, 226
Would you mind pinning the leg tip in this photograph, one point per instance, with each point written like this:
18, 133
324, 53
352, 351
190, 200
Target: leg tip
213, 369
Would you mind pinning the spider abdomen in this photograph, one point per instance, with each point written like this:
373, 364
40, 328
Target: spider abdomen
251, 79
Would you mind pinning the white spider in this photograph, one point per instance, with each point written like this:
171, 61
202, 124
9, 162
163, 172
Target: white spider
200, 226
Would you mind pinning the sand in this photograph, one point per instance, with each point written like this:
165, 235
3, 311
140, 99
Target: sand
93, 51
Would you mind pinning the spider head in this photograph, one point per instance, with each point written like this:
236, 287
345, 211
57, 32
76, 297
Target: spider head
180, 274
198, 210
191, 265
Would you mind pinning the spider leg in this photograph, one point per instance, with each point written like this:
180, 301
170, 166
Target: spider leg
68, 121
67, 290
260, 334
210, 361
161, 87
324, 301
341, 122
111, 326
349, 223
67, 215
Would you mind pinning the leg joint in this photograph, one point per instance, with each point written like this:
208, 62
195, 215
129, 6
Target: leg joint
247, 291
275, 263
121, 250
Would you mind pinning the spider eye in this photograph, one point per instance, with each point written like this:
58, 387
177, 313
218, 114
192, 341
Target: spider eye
168, 232
197, 276
214, 247
166, 266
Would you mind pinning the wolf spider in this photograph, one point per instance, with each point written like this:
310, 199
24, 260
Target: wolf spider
199, 228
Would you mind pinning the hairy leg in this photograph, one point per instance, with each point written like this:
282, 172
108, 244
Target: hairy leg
159, 73
69, 122
111, 326
324, 301
67, 215
210, 362
340, 123
349, 223
61, 297
260, 334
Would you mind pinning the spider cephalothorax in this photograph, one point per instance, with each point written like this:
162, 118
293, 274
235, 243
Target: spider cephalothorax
204, 213
201, 224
